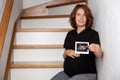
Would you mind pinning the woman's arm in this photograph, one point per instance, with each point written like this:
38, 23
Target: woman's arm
70, 53
96, 49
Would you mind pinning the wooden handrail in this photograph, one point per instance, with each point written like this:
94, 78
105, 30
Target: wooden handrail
66, 3
12, 46
4, 23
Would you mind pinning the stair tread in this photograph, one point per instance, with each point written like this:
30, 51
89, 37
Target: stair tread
43, 29
38, 46
66, 3
38, 64
46, 16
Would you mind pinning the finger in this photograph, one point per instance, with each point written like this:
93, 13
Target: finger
77, 55
72, 56
92, 46
92, 49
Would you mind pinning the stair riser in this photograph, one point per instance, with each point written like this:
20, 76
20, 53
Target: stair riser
38, 55
67, 9
34, 74
38, 38
30, 3
46, 23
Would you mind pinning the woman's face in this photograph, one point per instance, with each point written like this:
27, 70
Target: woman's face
80, 18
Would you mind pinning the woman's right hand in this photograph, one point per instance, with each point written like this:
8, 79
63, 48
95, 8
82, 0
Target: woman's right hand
70, 53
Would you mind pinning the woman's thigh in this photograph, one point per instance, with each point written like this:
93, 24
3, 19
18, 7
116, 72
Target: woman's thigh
60, 76
83, 77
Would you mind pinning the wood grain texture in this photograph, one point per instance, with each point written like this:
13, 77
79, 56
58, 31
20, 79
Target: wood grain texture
7, 72
38, 64
38, 46
9, 59
43, 29
4, 23
67, 2
46, 16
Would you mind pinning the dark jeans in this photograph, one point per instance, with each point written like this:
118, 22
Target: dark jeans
62, 76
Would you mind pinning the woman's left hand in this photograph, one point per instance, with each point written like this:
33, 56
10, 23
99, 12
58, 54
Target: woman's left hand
96, 49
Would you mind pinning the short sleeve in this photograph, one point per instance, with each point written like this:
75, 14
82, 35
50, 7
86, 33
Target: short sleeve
95, 38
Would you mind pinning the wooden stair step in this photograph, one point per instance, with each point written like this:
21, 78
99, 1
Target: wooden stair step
40, 64
37, 46
66, 3
47, 16
43, 29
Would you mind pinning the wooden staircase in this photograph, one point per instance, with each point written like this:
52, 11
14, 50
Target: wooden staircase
38, 47
22, 60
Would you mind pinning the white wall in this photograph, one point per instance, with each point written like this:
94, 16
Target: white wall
3, 60
60, 10
2, 5
30, 3
107, 22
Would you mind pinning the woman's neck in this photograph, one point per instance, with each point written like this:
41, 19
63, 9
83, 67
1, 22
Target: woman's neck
80, 29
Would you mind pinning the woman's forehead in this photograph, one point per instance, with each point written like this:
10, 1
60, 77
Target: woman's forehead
80, 10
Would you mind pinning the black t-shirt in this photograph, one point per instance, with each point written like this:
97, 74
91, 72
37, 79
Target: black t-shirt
86, 62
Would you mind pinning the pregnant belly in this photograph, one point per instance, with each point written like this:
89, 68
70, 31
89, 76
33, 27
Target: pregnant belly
74, 66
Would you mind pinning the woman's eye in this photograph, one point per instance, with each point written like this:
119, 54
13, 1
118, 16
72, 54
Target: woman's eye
78, 14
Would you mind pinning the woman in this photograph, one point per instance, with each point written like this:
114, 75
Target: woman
80, 66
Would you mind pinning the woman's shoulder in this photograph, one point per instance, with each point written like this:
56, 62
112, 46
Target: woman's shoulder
72, 31
93, 31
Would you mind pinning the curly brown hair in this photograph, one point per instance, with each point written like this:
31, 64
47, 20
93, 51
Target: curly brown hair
88, 14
